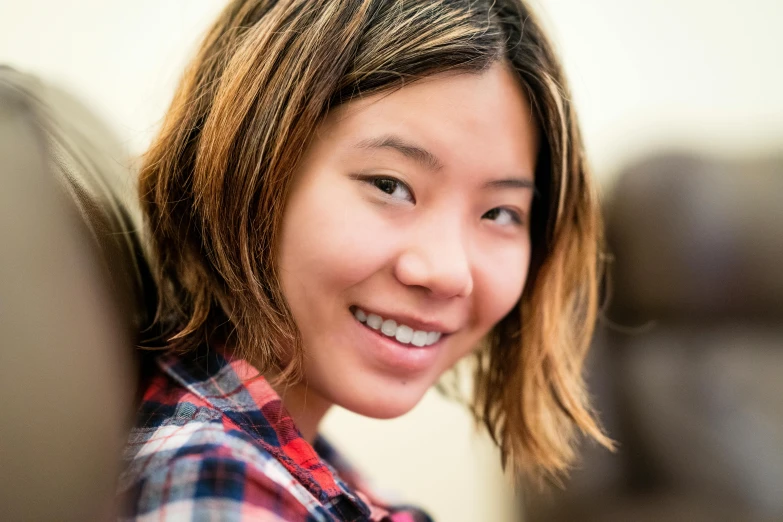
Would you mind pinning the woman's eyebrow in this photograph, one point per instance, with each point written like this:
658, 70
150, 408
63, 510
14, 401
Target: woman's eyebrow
431, 162
516, 183
407, 149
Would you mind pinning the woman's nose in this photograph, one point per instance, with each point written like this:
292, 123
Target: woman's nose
438, 261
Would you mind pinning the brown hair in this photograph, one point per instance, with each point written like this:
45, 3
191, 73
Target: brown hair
214, 184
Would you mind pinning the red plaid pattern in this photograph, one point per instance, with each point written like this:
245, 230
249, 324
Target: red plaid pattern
212, 441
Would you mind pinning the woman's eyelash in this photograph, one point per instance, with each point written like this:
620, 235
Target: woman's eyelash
389, 185
386, 185
515, 217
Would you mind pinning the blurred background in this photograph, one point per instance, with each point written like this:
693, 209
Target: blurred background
681, 106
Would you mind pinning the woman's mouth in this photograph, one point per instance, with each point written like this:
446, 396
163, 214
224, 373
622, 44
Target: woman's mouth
402, 333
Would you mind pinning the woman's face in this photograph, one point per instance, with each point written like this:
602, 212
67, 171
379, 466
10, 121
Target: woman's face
406, 237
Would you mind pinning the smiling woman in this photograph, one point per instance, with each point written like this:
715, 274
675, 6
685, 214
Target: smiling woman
422, 228
345, 199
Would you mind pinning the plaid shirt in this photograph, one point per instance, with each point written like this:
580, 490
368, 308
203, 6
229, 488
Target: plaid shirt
212, 441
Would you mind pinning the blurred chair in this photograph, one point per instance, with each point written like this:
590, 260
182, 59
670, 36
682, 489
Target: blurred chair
75, 292
688, 367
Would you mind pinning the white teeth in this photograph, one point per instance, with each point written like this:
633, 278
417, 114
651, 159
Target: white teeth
374, 321
389, 327
419, 338
404, 334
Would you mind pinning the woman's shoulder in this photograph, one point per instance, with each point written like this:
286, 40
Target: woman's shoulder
190, 481
208, 443
186, 457
187, 431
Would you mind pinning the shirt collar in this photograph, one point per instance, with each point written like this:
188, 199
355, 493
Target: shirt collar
235, 388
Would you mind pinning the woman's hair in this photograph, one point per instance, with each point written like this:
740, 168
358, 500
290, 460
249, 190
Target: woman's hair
214, 184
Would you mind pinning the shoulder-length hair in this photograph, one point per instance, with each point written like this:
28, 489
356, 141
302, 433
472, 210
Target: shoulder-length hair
215, 181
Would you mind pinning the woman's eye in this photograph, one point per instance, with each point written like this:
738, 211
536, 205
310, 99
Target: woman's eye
503, 216
393, 187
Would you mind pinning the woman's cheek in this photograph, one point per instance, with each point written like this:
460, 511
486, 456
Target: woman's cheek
506, 280
351, 237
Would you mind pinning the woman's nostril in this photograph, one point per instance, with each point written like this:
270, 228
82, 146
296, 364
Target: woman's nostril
442, 276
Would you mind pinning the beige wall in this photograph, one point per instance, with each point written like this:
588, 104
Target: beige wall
645, 74
430, 457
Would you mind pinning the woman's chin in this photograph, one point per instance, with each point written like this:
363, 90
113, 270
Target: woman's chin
383, 403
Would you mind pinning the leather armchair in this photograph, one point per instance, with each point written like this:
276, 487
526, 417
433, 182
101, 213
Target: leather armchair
688, 363
75, 293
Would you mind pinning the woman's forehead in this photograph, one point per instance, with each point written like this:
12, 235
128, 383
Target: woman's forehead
468, 119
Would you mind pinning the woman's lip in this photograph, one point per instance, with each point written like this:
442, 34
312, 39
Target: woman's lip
426, 326
392, 354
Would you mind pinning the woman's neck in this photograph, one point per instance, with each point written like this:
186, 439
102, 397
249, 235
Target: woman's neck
306, 408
